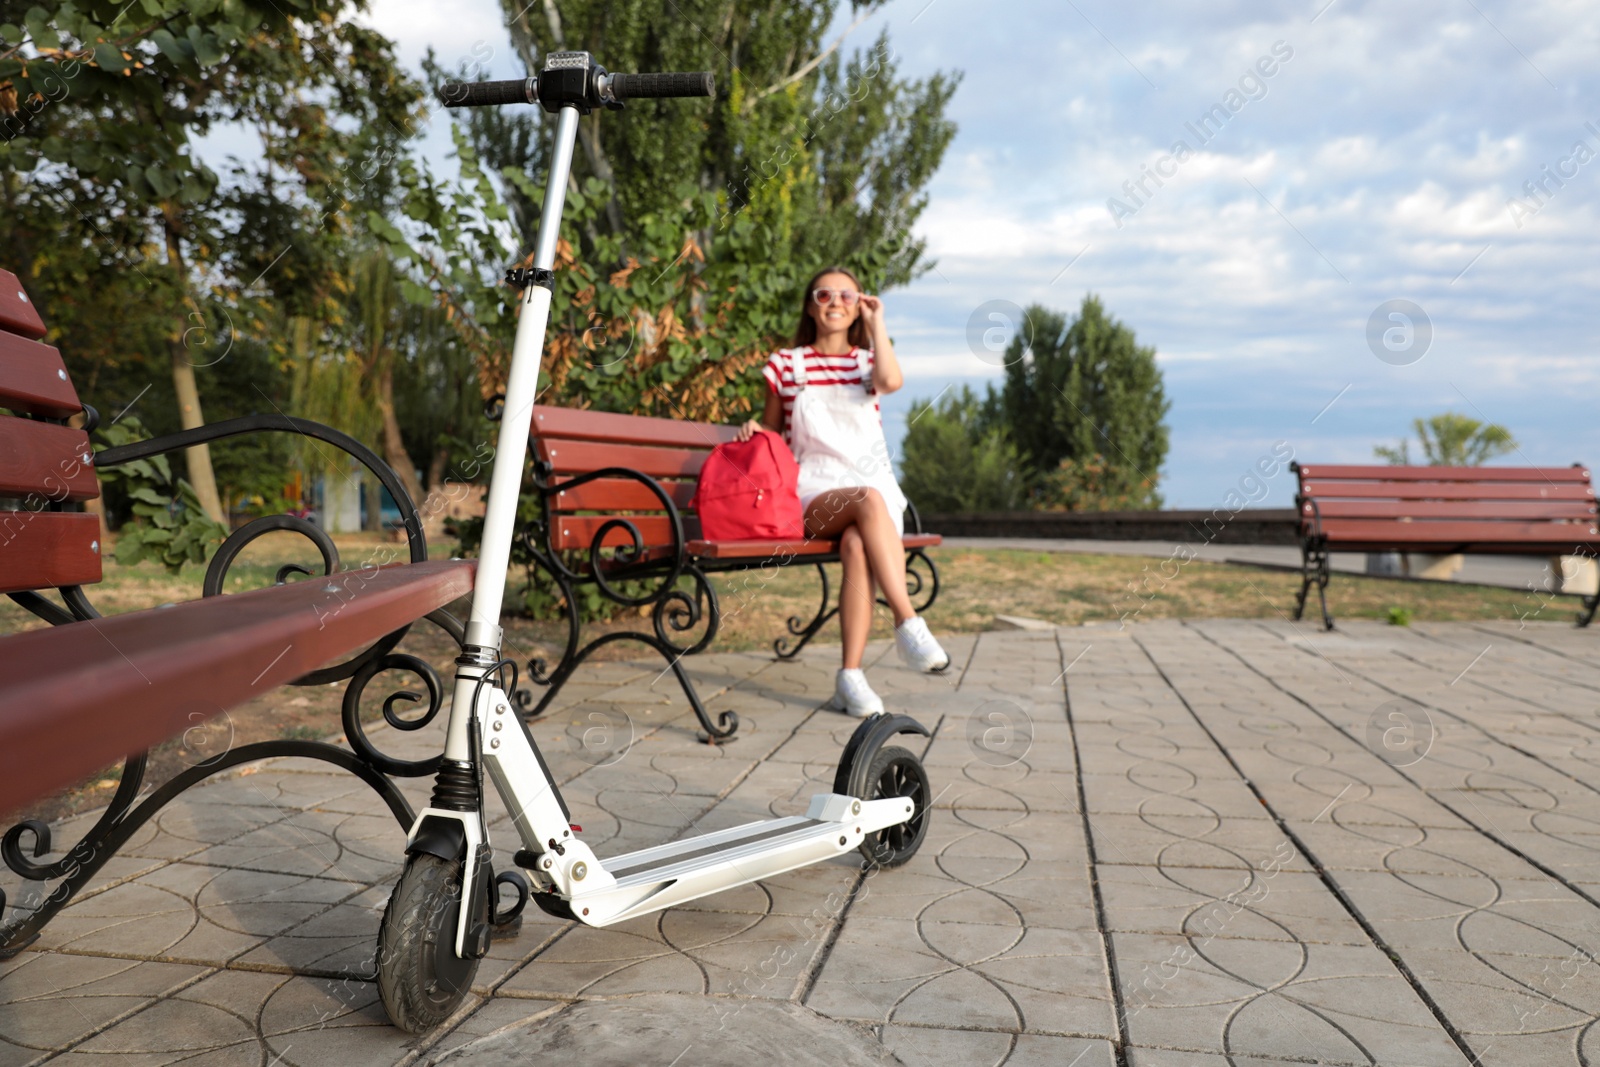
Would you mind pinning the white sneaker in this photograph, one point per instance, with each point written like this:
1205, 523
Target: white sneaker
853, 696
918, 647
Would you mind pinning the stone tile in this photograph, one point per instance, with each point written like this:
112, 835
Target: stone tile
492, 1017
342, 940
678, 951
1205, 903
967, 975
1275, 1000
358, 848
49, 1000
192, 912
1192, 841
214, 1019
312, 1022
929, 1047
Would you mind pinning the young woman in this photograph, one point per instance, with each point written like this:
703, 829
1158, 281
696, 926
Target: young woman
822, 396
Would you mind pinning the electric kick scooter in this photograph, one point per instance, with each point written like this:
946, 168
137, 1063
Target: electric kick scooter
437, 924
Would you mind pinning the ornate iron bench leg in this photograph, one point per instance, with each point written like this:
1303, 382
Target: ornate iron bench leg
916, 584
84, 859
1313, 571
1323, 574
806, 631
727, 722
674, 610
1306, 578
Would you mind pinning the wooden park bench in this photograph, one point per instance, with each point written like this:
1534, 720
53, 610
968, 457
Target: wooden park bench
90, 691
615, 493
1521, 511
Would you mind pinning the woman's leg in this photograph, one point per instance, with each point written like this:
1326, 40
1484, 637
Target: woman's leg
855, 597
831, 513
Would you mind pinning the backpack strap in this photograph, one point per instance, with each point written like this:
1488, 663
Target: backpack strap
863, 370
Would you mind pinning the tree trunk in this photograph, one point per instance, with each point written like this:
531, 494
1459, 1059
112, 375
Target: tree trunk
437, 467
198, 457
374, 493
394, 445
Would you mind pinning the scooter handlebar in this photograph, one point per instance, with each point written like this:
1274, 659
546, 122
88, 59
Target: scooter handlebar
489, 94
591, 92
678, 83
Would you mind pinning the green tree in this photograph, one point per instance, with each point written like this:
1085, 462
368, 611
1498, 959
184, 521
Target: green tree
694, 223
103, 104
833, 151
1085, 405
948, 464
1451, 440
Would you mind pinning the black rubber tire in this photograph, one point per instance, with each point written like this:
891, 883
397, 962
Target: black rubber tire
896, 772
420, 978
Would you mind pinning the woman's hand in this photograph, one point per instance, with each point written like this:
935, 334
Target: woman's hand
750, 429
872, 312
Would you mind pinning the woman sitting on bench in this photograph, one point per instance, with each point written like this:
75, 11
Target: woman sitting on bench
822, 396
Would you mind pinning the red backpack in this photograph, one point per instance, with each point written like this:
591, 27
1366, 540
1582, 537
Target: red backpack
749, 490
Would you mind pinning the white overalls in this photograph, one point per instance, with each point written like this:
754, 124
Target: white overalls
837, 437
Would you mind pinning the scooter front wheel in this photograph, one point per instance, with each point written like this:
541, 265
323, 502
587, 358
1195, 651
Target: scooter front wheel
420, 978
896, 772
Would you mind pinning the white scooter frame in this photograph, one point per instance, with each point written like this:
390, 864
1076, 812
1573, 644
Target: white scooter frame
485, 732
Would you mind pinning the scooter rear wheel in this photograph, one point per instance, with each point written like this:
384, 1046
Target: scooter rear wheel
895, 772
420, 978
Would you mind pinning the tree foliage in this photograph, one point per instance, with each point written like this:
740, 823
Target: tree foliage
830, 147
692, 225
950, 464
1084, 402
1078, 423
167, 523
1451, 440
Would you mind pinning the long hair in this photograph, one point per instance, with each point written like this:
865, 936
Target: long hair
806, 332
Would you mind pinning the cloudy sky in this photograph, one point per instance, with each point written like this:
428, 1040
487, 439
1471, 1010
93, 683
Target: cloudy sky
1360, 153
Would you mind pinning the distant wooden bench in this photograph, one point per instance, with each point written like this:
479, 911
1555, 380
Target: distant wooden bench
615, 493
1520, 511
89, 690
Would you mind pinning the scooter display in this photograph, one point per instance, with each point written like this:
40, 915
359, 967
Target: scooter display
437, 924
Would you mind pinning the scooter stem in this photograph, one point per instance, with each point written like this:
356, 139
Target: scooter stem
483, 637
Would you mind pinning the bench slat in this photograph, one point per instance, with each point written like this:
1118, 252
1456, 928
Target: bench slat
121, 684
1378, 473
603, 426
17, 313
34, 380
48, 550
1499, 510
620, 494
1320, 489
45, 459
766, 549
1342, 532
581, 457
577, 531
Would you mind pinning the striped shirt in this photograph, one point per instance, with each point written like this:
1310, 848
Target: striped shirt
820, 370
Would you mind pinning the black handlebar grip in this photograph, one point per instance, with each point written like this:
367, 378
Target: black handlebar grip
487, 94
635, 86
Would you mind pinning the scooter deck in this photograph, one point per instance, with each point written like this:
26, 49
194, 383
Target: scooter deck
665, 875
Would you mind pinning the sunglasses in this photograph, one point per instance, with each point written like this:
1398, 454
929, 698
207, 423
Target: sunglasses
824, 297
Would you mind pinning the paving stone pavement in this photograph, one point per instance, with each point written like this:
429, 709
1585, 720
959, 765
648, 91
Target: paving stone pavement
1170, 845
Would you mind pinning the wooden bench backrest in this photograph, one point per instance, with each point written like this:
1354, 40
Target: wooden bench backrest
1534, 510
42, 463
576, 442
